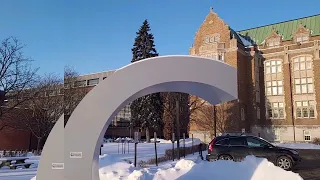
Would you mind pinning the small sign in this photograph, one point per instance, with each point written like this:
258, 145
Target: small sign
243, 130
75, 154
57, 165
137, 136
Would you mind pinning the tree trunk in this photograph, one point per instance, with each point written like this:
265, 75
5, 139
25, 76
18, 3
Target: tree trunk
38, 144
147, 135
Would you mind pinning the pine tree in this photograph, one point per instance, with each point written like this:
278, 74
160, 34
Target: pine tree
147, 111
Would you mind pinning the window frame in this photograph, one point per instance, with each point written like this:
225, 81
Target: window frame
309, 86
277, 109
257, 139
310, 105
306, 135
88, 82
297, 60
272, 86
268, 64
241, 138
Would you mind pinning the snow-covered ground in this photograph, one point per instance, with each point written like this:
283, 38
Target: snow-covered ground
113, 165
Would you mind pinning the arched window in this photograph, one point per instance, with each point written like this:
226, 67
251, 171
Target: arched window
305, 109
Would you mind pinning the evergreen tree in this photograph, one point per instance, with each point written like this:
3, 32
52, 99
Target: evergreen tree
147, 111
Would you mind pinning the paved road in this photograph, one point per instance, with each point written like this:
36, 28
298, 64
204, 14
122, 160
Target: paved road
309, 169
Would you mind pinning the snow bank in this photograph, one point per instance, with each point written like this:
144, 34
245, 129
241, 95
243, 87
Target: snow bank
298, 145
251, 168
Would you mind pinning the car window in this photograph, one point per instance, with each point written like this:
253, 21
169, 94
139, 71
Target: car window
223, 142
237, 141
253, 142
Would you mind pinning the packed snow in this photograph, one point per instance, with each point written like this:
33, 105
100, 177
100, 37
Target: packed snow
114, 164
193, 168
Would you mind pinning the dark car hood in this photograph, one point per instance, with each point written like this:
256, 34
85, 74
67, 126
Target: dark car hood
284, 148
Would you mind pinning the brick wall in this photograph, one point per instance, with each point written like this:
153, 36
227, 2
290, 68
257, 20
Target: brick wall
248, 61
12, 139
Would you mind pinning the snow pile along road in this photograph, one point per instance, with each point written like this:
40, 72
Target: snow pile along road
251, 168
193, 168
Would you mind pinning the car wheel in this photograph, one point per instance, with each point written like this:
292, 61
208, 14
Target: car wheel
284, 162
225, 157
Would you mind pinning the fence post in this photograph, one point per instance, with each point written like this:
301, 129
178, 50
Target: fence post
128, 148
118, 147
172, 146
155, 147
200, 151
135, 154
192, 144
121, 147
184, 145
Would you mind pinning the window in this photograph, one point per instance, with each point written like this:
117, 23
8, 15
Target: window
305, 109
276, 110
274, 88
243, 130
80, 83
51, 93
276, 133
237, 141
307, 135
93, 82
273, 67
223, 142
254, 142
273, 42
61, 91
303, 85
302, 63
221, 46
258, 113
302, 38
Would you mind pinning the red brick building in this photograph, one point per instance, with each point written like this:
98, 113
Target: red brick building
278, 83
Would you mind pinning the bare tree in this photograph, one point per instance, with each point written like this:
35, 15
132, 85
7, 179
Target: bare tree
45, 108
16, 74
206, 114
74, 91
169, 116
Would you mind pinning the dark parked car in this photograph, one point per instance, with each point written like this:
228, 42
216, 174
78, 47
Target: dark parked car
238, 147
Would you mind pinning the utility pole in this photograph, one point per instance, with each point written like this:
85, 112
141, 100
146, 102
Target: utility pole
178, 126
215, 120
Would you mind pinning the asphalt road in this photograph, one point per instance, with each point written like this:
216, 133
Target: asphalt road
309, 168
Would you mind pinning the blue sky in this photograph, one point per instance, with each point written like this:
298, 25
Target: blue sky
94, 36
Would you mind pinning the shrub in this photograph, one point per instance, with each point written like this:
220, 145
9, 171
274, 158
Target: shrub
316, 141
142, 164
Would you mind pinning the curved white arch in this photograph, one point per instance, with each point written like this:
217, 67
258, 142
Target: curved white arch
52, 154
210, 79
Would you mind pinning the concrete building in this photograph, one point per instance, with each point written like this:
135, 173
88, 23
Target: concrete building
278, 81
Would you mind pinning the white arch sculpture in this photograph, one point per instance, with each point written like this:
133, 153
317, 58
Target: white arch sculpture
209, 79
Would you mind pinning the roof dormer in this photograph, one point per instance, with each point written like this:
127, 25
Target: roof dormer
302, 34
274, 39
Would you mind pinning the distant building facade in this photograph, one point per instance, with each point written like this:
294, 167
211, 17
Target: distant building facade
278, 81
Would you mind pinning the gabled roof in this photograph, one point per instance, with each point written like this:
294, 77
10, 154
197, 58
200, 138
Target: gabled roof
285, 29
239, 38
